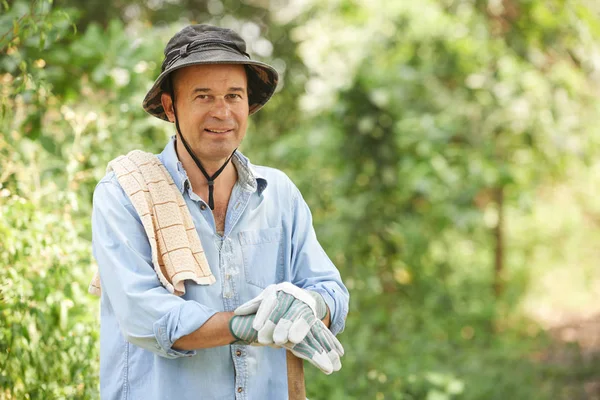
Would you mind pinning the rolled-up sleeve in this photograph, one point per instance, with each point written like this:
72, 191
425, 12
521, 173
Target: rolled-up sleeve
313, 269
147, 314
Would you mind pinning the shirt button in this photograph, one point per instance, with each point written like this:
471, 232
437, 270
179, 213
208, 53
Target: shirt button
240, 389
238, 353
203, 206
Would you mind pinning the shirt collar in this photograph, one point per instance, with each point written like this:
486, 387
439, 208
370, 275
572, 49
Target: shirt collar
248, 177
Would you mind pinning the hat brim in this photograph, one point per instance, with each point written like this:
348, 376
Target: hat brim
262, 79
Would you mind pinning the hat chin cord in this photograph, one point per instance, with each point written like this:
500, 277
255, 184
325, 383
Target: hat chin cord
209, 179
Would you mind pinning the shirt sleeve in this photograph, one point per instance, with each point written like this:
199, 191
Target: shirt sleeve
148, 315
312, 268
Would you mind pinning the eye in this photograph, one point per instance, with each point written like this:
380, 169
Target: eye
234, 96
202, 96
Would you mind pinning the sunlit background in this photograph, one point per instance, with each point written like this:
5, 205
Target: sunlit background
448, 150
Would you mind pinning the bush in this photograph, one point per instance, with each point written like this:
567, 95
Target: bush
48, 323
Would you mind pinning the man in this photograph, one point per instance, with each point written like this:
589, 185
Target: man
256, 232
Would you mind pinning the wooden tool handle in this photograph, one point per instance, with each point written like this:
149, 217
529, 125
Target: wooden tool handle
295, 376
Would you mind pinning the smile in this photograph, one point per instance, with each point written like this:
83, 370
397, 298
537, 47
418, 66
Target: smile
218, 130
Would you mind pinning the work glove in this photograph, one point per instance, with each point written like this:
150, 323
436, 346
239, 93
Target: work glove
284, 313
241, 329
319, 346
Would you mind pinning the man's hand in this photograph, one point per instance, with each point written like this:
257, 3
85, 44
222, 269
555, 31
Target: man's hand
319, 346
241, 329
287, 319
290, 317
284, 313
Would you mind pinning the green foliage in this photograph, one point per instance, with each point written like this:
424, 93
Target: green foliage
48, 324
31, 23
401, 122
52, 153
420, 115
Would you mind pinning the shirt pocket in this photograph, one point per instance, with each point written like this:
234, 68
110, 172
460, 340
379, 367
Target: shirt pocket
262, 252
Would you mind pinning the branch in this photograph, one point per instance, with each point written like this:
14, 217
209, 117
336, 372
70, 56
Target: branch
31, 14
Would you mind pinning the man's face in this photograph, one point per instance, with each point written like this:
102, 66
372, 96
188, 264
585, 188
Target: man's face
212, 108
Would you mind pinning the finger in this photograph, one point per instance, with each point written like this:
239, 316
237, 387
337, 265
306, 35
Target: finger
265, 308
321, 361
276, 310
268, 304
334, 357
338, 345
336, 362
249, 307
281, 331
298, 330
273, 309
327, 340
318, 359
302, 319
335, 344
265, 334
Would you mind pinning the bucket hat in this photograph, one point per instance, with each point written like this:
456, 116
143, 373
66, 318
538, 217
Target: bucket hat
207, 44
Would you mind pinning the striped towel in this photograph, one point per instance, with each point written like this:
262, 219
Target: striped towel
177, 253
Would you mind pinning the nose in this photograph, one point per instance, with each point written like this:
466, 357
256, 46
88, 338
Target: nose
220, 109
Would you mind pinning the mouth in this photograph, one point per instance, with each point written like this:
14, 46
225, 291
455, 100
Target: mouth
218, 131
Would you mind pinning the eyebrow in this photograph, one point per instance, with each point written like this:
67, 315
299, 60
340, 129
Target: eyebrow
207, 90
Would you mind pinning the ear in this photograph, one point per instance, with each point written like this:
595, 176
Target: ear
167, 104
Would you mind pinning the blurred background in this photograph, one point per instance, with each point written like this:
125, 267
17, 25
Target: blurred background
447, 148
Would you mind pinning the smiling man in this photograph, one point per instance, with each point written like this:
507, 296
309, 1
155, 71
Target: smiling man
204, 258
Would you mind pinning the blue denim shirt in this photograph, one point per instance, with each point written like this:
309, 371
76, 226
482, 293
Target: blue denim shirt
268, 238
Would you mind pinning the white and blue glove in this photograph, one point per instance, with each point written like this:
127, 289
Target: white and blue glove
289, 316
319, 347
284, 313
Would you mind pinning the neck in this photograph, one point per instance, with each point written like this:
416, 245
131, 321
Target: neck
227, 177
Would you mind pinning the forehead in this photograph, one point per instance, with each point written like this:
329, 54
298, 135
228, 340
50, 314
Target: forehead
212, 76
